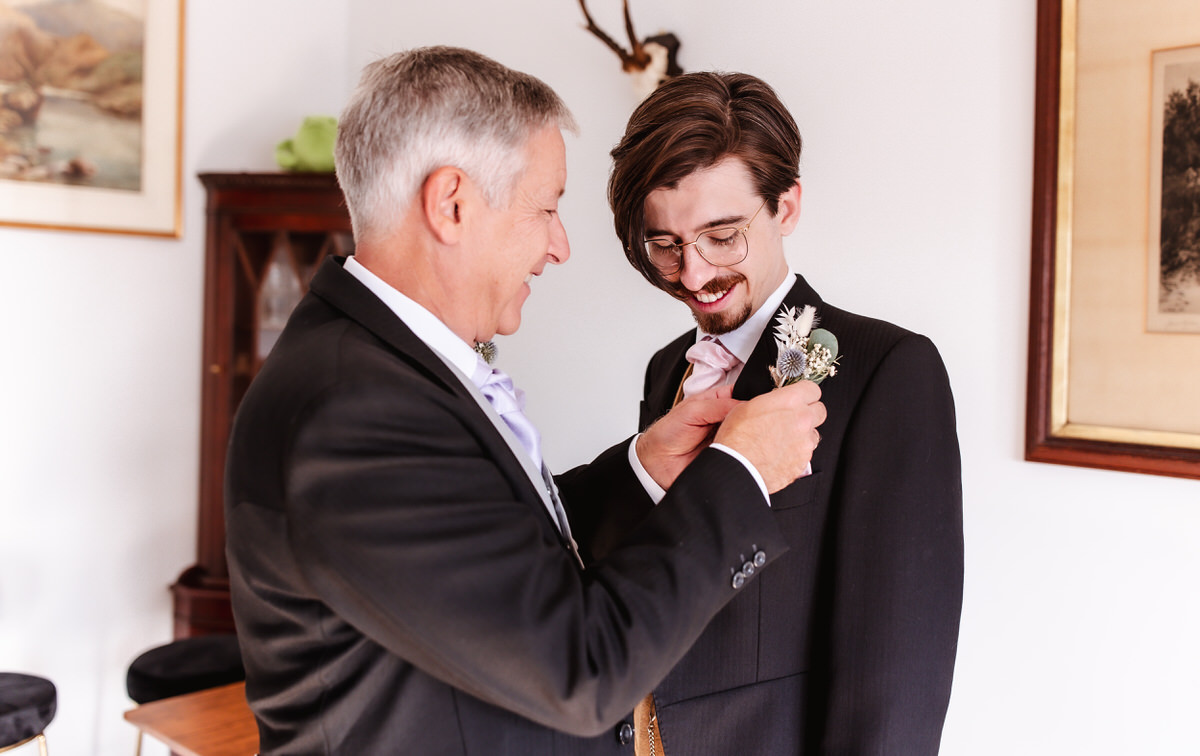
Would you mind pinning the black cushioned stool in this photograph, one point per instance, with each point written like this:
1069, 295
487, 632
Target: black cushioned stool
184, 666
27, 705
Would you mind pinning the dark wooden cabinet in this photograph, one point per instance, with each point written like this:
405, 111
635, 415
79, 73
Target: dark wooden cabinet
265, 235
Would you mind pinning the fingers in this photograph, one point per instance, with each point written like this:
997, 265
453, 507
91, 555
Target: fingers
777, 431
801, 391
708, 408
717, 392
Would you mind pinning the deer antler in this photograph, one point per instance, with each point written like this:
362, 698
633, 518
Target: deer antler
638, 59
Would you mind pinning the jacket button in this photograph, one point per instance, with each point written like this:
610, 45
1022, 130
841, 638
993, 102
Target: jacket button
625, 733
748, 569
739, 579
760, 559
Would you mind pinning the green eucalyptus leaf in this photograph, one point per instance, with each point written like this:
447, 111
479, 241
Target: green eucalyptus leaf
825, 339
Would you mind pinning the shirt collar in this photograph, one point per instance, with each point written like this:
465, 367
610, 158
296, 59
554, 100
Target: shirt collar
436, 334
742, 340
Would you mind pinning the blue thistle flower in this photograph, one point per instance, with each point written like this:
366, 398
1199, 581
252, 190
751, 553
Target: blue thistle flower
791, 363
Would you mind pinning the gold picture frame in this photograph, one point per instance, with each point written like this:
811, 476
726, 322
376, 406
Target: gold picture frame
91, 116
1103, 389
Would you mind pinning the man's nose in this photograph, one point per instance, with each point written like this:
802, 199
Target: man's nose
559, 249
695, 271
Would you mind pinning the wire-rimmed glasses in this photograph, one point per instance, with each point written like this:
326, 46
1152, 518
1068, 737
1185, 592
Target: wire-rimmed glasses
721, 247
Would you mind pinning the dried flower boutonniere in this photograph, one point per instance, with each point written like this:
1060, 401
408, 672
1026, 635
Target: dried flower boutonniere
805, 353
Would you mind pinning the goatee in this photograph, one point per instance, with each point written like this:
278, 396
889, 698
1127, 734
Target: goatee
718, 323
715, 323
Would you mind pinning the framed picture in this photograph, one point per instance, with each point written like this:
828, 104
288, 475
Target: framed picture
1114, 347
1174, 254
91, 115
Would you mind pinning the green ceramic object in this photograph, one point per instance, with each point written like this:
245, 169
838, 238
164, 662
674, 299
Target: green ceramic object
311, 150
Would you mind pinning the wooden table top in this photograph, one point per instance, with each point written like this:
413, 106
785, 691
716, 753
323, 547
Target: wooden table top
213, 722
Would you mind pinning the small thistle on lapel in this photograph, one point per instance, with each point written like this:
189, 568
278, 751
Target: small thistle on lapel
487, 350
805, 353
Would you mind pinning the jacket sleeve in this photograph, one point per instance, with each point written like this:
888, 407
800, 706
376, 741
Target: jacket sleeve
409, 527
898, 546
604, 501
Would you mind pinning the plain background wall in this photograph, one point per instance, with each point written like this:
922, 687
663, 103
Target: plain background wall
1081, 608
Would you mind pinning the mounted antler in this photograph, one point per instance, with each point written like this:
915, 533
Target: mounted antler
651, 61
638, 59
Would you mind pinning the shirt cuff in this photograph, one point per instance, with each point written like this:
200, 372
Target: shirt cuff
656, 492
653, 490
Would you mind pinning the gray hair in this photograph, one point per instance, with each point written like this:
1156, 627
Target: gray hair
416, 111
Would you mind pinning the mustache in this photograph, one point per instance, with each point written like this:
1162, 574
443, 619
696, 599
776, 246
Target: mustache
716, 285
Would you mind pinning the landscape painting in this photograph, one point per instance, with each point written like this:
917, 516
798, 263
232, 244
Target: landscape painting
89, 109
1174, 246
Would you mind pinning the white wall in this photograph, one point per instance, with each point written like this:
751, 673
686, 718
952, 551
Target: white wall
1081, 607
100, 389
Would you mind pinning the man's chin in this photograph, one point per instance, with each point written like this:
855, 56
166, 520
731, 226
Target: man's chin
718, 323
508, 328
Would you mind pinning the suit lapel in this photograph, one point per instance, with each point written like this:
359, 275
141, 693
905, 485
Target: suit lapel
755, 379
344, 292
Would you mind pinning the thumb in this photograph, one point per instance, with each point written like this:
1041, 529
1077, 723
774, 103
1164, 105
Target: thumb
718, 392
708, 408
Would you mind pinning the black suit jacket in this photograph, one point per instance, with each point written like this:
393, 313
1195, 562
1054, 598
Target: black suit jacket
399, 587
846, 646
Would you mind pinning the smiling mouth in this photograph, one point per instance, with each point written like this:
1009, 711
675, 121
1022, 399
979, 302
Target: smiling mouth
708, 297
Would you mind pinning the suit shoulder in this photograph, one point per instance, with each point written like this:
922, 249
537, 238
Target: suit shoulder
866, 342
879, 334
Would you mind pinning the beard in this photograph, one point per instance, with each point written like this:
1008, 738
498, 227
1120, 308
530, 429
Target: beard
718, 323
715, 323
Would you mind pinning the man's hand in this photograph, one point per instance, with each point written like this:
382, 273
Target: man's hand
776, 431
674, 440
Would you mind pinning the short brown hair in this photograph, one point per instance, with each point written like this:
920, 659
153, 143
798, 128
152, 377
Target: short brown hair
690, 123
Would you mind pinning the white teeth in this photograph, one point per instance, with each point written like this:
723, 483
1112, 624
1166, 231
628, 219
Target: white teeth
528, 278
708, 297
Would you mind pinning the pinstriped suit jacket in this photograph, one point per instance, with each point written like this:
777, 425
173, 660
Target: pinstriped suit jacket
847, 645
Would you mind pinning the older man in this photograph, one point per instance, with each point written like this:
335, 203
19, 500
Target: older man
846, 646
403, 577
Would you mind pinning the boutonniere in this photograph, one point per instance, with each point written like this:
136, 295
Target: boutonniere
805, 353
487, 350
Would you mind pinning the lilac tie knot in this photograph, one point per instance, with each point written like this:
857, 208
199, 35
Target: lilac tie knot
711, 362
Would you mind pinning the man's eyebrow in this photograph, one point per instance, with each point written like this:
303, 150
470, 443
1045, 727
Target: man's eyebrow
728, 221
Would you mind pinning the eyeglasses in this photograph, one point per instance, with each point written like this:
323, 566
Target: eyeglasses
721, 247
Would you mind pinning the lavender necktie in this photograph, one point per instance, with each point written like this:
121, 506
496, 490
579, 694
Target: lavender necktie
509, 403
711, 362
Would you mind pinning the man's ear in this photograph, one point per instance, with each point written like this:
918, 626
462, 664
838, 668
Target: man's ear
789, 209
442, 197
